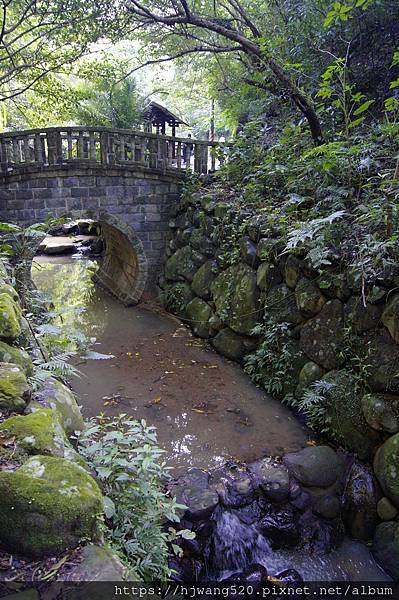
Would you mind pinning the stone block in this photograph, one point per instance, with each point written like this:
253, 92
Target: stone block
77, 192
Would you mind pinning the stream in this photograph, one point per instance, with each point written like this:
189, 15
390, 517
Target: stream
205, 408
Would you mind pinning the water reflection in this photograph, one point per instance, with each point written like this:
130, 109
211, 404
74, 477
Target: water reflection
206, 409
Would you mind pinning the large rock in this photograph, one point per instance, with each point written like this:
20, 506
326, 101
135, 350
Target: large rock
344, 416
386, 510
48, 505
14, 389
390, 317
360, 502
10, 318
386, 468
236, 297
39, 433
309, 298
57, 396
203, 279
281, 305
381, 411
310, 373
292, 271
315, 466
382, 361
229, 344
267, 275
386, 547
98, 563
181, 265
248, 252
16, 356
359, 317
272, 478
194, 492
322, 337
198, 314
6, 288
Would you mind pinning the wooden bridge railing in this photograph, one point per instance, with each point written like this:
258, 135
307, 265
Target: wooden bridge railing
102, 146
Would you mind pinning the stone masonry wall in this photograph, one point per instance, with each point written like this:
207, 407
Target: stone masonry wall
226, 275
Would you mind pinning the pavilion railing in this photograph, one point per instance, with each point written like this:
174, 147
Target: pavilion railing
102, 146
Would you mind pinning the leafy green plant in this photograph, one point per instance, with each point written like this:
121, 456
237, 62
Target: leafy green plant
271, 365
124, 455
313, 404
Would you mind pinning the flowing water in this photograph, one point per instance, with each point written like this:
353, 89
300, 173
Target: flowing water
237, 546
205, 408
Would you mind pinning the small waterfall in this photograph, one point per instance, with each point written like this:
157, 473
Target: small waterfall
235, 545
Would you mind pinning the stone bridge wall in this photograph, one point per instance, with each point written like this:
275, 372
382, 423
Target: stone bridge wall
134, 207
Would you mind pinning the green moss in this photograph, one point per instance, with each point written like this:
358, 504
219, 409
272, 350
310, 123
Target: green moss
57, 396
16, 356
48, 505
237, 298
39, 433
10, 317
6, 288
14, 388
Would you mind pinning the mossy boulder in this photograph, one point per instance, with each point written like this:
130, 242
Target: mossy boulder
236, 297
98, 563
229, 344
390, 317
16, 356
48, 505
382, 359
39, 433
344, 416
381, 411
6, 288
361, 318
386, 468
309, 298
10, 317
57, 396
386, 547
322, 337
310, 373
292, 271
14, 389
198, 314
386, 510
315, 466
267, 275
203, 279
201, 243
181, 265
281, 305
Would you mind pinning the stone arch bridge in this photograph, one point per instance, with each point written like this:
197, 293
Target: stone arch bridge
126, 180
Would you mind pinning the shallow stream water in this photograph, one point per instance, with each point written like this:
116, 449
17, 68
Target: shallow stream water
205, 408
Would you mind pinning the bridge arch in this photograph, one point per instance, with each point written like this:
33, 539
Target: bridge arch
124, 269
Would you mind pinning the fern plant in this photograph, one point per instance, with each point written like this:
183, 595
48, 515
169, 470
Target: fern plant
313, 404
271, 365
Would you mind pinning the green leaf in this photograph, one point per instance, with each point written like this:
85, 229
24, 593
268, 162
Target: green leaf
363, 107
109, 507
